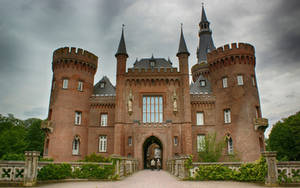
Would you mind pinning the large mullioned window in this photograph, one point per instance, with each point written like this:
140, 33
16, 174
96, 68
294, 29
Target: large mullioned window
152, 109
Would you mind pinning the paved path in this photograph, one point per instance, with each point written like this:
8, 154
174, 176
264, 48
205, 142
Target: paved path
152, 179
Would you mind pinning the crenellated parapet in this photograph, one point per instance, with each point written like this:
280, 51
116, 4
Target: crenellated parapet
66, 56
200, 69
138, 71
241, 53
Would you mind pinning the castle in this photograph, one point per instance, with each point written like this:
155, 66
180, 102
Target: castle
154, 111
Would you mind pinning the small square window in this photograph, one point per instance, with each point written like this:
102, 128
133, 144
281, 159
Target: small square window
102, 85
202, 83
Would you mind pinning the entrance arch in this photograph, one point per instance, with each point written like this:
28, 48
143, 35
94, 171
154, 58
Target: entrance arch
152, 148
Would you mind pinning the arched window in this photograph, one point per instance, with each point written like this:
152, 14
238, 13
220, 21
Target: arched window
76, 145
229, 145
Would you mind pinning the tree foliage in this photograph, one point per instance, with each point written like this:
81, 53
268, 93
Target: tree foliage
285, 138
212, 149
17, 136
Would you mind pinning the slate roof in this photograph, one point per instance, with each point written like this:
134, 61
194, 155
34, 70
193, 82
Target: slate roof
195, 87
182, 45
158, 63
108, 90
122, 46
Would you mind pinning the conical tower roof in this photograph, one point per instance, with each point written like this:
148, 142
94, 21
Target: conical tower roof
122, 46
182, 45
203, 16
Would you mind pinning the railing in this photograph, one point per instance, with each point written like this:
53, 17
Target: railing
25, 172
289, 171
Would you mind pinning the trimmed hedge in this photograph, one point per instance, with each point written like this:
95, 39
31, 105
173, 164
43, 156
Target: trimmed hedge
253, 172
55, 172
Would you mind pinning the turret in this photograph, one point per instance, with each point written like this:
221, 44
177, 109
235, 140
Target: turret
73, 78
232, 69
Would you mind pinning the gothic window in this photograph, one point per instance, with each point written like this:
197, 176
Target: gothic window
80, 86
152, 109
103, 119
129, 141
200, 143
78, 117
175, 140
227, 116
224, 81
229, 145
76, 144
240, 80
102, 143
65, 83
200, 118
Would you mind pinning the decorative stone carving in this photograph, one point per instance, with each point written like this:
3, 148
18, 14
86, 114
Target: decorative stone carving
47, 126
260, 123
175, 108
130, 100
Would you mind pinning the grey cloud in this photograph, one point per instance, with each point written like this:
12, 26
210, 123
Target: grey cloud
35, 112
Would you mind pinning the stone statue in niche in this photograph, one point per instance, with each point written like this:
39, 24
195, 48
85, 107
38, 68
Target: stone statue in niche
130, 99
175, 108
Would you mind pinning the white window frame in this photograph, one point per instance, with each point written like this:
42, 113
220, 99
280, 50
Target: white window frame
103, 119
225, 82
80, 86
240, 80
75, 146
103, 143
129, 141
200, 118
230, 146
152, 109
200, 142
227, 116
175, 140
65, 83
78, 117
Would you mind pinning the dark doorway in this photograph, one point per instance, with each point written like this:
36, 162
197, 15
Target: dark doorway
152, 148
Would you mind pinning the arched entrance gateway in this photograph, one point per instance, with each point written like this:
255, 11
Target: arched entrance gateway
152, 149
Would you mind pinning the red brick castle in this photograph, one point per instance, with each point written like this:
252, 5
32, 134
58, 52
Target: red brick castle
154, 111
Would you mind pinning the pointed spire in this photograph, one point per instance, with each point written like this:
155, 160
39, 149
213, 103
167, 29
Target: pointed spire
203, 17
122, 45
182, 45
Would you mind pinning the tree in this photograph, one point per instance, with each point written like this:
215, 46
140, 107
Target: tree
285, 138
35, 136
212, 149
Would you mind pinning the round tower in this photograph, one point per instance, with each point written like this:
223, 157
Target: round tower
72, 85
232, 74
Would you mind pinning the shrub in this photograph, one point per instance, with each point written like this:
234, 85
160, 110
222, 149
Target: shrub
46, 159
55, 172
93, 171
95, 158
13, 157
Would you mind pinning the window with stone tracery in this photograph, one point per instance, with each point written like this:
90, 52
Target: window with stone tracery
152, 109
102, 143
75, 146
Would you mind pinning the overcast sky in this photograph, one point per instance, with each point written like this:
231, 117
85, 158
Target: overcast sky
30, 30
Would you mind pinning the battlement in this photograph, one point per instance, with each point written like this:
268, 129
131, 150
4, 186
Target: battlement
75, 53
231, 50
134, 71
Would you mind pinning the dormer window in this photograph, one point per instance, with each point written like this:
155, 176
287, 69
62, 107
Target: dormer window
102, 85
202, 83
152, 63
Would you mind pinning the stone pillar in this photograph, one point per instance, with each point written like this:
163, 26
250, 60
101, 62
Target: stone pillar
272, 176
31, 164
116, 158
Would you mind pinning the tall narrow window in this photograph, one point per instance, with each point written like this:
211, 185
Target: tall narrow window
240, 80
200, 143
200, 118
227, 116
152, 109
76, 144
257, 112
53, 85
78, 117
230, 145
102, 143
50, 114
65, 83
129, 141
224, 81
175, 140
46, 147
80, 86
103, 119
253, 80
